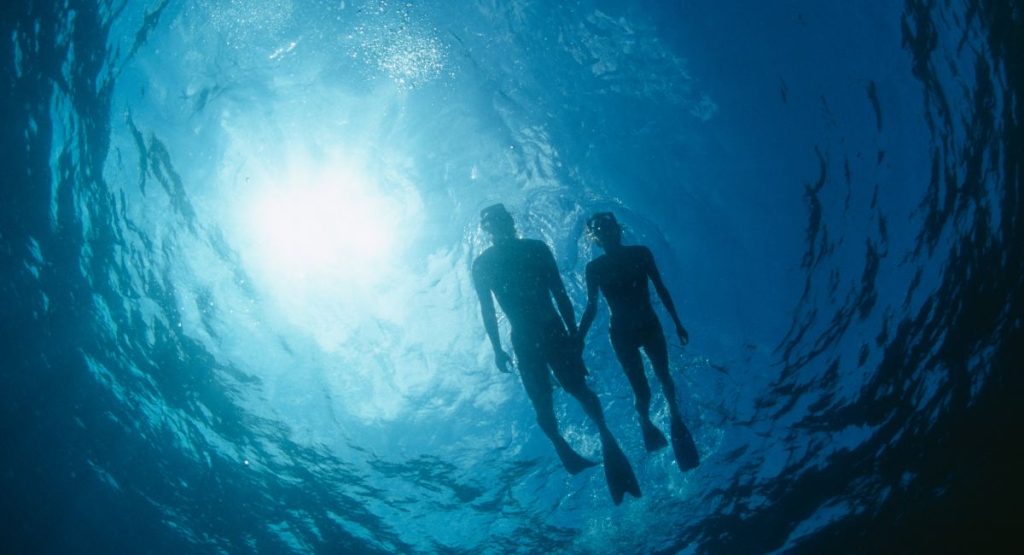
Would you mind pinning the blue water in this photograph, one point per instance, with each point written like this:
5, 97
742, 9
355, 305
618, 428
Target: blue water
236, 313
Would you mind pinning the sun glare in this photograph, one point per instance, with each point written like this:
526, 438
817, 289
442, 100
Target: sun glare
329, 226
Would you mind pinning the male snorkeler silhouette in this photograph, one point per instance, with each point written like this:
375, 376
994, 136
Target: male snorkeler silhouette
522, 275
621, 274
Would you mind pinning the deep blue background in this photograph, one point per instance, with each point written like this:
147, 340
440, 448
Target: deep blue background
832, 190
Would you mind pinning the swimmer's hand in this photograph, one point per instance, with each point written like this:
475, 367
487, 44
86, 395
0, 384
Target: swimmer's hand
684, 337
502, 361
577, 343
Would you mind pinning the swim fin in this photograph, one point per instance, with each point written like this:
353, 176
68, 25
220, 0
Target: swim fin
683, 446
573, 462
617, 472
653, 438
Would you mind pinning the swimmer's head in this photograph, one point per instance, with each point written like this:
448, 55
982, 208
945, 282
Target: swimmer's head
605, 228
496, 220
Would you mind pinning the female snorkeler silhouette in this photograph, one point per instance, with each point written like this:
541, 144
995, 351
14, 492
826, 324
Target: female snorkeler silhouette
621, 275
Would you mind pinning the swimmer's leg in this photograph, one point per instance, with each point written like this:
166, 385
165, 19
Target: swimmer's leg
682, 442
629, 357
571, 373
538, 387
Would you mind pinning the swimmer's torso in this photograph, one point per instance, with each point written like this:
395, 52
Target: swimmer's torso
520, 273
622, 277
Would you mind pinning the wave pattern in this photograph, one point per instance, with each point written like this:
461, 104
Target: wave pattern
841, 223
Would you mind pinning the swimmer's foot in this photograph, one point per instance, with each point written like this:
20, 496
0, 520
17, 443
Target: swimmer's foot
617, 471
573, 462
683, 446
653, 438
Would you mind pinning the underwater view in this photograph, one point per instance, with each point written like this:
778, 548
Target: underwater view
247, 252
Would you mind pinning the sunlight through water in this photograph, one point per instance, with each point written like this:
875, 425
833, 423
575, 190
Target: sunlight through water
237, 239
321, 226
327, 247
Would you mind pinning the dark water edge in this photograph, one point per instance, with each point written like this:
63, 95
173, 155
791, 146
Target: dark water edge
968, 488
967, 495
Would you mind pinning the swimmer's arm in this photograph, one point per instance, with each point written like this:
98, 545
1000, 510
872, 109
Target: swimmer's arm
666, 299
501, 358
591, 311
557, 289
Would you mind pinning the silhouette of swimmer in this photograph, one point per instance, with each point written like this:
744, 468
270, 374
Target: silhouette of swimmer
522, 275
621, 274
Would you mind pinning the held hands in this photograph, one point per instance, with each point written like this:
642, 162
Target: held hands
502, 361
684, 337
577, 342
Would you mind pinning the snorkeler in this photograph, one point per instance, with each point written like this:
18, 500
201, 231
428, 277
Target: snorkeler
621, 274
522, 275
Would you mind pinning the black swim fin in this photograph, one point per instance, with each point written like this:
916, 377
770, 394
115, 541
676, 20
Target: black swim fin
653, 438
573, 462
683, 446
618, 473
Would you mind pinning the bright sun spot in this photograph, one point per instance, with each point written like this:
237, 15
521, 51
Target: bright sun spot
312, 231
327, 226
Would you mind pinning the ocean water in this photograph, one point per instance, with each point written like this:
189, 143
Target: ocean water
236, 313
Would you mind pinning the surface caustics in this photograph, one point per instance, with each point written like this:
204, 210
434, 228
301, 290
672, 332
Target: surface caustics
237, 313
